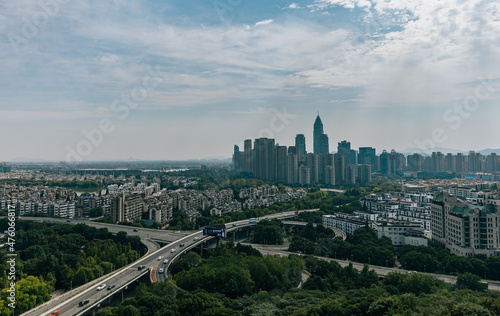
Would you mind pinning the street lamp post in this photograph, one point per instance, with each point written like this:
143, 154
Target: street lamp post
386, 265
70, 285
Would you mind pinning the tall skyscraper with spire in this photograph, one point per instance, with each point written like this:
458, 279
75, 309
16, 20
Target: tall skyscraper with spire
320, 142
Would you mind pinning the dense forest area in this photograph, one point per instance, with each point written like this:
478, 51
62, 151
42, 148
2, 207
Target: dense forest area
238, 280
52, 256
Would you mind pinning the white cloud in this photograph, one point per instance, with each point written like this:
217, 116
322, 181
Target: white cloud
109, 59
293, 6
264, 22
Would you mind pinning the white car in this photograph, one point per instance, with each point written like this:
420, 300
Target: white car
195, 238
160, 270
160, 257
165, 261
173, 250
100, 287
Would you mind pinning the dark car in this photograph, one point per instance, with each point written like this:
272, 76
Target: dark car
85, 301
141, 267
69, 221
136, 230
110, 287
181, 245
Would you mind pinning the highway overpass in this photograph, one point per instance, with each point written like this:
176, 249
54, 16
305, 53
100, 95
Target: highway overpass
67, 304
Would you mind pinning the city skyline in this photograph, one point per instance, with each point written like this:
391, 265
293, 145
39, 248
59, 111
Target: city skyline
164, 80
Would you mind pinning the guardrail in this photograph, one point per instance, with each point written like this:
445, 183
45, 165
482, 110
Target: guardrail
110, 294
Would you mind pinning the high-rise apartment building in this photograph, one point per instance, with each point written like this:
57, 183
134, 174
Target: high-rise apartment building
365, 173
465, 229
313, 165
367, 156
126, 208
415, 162
293, 168
339, 164
264, 159
474, 162
350, 174
385, 164
329, 175
248, 156
437, 162
300, 143
304, 175
281, 164
492, 163
324, 146
351, 156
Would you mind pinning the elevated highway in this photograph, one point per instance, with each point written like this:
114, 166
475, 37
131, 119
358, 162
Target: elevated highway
68, 303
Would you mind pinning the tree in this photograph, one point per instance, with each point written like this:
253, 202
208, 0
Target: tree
471, 281
469, 309
96, 212
269, 232
128, 310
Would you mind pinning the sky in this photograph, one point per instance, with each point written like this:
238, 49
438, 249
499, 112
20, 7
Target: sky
170, 80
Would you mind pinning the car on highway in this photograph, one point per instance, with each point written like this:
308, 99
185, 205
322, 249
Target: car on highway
141, 267
160, 257
172, 250
181, 245
160, 270
69, 221
110, 287
136, 230
195, 238
165, 261
83, 302
100, 287
54, 313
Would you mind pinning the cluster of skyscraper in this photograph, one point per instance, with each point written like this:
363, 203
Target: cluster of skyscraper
293, 165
